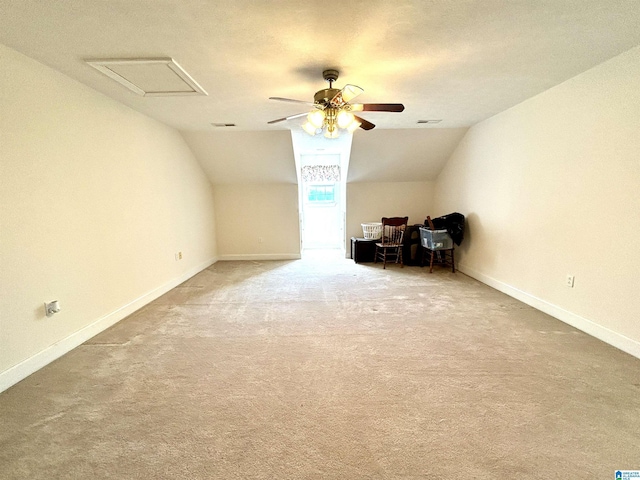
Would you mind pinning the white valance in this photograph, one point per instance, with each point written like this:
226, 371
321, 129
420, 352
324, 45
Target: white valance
321, 173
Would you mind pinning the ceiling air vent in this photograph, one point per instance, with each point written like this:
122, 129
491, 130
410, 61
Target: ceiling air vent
223, 125
149, 77
429, 121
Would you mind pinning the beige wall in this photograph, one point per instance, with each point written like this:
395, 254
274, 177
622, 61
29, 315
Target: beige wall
369, 202
551, 188
248, 213
256, 193
95, 201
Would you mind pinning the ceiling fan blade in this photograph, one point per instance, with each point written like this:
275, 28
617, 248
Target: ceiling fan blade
364, 124
297, 115
291, 100
348, 93
377, 107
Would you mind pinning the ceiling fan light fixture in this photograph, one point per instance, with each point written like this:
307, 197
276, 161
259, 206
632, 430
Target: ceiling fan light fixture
309, 128
344, 119
316, 118
331, 133
349, 92
354, 126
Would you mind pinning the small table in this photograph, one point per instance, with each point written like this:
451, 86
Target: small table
363, 249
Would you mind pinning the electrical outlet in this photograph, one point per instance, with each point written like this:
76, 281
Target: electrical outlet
569, 281
51, 308
259, 239
179, 255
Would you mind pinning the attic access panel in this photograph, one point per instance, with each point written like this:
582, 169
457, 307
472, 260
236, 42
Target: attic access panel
149, 77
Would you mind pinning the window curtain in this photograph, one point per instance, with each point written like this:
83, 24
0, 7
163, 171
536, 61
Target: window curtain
321, 173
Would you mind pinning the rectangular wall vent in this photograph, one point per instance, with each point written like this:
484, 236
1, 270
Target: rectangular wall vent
149, 77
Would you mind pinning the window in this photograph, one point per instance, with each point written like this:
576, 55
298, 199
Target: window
321, 194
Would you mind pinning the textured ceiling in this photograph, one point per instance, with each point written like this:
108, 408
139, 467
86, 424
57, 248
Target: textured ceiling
459, 61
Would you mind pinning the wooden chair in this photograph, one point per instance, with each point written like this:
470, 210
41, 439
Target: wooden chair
391, 242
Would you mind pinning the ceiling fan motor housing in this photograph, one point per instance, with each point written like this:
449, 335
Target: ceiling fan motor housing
330, 75
323, 97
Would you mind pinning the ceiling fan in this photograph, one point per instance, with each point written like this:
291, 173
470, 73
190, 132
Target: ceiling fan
333, 111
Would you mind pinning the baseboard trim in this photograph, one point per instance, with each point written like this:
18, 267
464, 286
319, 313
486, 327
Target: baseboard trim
261, 256
22, 370
615, 339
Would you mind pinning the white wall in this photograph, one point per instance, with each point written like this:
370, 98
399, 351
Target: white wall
246, 213
369, 202
550, 188
95, 201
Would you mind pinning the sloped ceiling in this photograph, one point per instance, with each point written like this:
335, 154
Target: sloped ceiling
401, 155
376, 156
460, 61
244, 157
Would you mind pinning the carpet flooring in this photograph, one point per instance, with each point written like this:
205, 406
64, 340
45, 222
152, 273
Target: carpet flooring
324, 369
